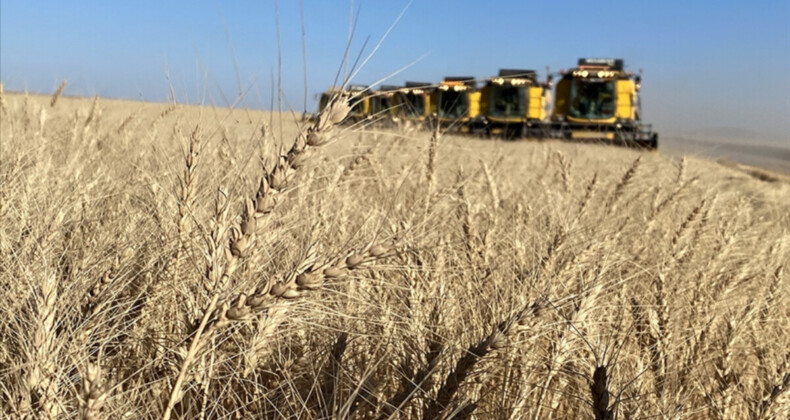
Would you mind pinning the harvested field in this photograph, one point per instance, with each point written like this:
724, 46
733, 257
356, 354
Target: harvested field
147, 271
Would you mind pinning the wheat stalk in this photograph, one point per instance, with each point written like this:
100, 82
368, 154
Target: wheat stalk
430, 165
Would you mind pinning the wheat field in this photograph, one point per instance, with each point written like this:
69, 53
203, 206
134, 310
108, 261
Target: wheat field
162, 261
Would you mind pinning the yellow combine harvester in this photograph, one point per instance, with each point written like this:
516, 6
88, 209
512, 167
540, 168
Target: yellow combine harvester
596, 101
382, 103
512, 104
457, 103
413, 102
599, 101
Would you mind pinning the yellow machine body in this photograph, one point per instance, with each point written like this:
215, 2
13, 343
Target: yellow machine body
380, 105
537, 103
360, 106
598, 100
456, 101
623, 94
532, 97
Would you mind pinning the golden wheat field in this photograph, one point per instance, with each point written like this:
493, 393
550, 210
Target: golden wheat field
190, 262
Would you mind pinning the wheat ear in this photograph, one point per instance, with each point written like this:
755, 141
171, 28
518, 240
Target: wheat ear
94, 392
42, 385
58, 92
624, 182
496, 340
565, 171
774, 391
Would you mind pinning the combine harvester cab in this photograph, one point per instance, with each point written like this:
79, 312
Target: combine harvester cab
360, 103
599, 101
382, 104
457, 103
413, 102
512, 104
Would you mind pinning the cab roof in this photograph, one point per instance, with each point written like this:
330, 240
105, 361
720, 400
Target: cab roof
519, 73
418, 85
616, 64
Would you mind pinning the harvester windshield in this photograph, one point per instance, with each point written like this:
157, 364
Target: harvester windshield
508, 101
453, 104
414, 104
357, 106
325, 97
592, 99
379, 104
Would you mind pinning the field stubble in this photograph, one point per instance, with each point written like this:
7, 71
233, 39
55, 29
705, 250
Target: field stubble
193, 262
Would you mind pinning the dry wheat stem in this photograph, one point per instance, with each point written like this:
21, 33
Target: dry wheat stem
430, 166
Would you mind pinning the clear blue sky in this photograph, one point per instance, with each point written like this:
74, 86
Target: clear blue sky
706, 64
